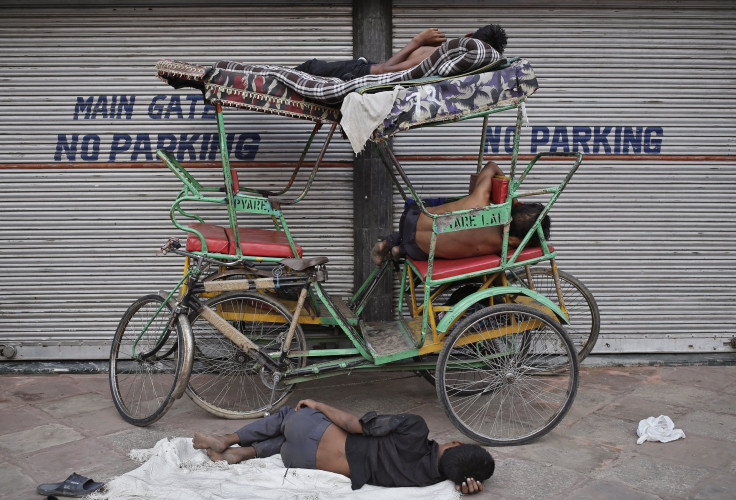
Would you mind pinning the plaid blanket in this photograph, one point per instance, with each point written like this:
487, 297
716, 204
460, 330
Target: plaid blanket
246, 91
453, 57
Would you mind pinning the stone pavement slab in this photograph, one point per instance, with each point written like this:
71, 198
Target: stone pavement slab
15, 483
659, 477
75, 405
38, 438
53, 425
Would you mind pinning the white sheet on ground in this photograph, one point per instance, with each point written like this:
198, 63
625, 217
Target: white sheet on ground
174, 470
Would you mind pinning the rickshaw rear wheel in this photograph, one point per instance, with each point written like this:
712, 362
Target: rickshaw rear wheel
227, 382
465, 289
507, 375
144, 371
584, 316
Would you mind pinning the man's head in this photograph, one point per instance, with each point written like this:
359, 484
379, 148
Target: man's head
523, 217
459, 462
494, 35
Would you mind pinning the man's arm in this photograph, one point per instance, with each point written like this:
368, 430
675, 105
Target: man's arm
344, 420
400, 61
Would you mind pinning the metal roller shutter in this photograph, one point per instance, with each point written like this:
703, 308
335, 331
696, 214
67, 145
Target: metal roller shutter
647, 91
85, 206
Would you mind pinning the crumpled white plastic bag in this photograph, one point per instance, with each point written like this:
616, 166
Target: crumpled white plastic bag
661, 429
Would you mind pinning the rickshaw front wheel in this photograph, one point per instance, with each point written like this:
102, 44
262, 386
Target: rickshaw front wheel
507, 375
585, 319
146, 366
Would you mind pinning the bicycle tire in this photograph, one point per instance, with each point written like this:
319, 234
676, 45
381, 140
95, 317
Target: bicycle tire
143, 386
582, 308
227, 382
512, 388
464, 289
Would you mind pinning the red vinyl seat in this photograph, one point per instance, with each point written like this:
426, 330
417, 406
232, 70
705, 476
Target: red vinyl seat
262, 242
253, 241
214, 236
447, 268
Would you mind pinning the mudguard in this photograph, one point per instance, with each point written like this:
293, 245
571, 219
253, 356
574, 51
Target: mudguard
459, 308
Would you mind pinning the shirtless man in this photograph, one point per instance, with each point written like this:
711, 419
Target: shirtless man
418, 49
384, 450
415, 228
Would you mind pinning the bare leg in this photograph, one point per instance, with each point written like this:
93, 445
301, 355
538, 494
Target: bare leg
379, 252
233, 455
217, 444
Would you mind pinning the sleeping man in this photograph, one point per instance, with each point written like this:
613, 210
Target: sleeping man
383, 450
418, 49
415, 228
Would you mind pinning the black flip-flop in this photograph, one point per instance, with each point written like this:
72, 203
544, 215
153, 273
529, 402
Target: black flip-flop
74, 486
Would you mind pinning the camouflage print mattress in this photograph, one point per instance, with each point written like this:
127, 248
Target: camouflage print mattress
453, 98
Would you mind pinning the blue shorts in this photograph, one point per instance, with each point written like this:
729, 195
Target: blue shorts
405, 239
294, 434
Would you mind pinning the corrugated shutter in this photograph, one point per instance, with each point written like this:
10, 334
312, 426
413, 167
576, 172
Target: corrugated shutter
650, 227
80, 227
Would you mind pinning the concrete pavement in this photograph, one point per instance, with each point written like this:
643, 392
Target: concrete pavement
54, 424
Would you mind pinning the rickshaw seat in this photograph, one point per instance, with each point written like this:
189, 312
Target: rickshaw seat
447, 268
215, 237
253, 241
264, 242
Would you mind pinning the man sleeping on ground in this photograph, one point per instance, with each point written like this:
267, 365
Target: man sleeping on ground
415, 228
382, 450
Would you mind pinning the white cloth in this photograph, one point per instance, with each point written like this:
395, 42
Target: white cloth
174, 470
362, 114
661, 429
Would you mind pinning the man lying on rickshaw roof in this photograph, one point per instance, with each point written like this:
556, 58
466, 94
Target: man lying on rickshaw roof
418, 49
415, 228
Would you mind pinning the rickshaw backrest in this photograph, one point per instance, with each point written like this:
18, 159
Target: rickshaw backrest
234, 177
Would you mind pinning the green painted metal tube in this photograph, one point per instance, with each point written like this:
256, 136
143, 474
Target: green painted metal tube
459, 308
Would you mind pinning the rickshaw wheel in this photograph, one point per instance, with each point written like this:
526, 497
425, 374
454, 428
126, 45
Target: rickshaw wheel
585, 318
142, 385
507, 375
466, 288
225, 381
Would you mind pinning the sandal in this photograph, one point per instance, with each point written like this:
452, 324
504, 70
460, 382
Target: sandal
74, 486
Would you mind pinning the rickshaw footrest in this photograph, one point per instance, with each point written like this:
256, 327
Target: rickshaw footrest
388, 339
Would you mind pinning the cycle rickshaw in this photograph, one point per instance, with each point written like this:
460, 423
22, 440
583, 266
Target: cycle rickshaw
251, 317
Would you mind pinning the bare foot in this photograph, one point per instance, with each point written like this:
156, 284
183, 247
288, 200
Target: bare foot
379, 252
218, 444
233, 455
